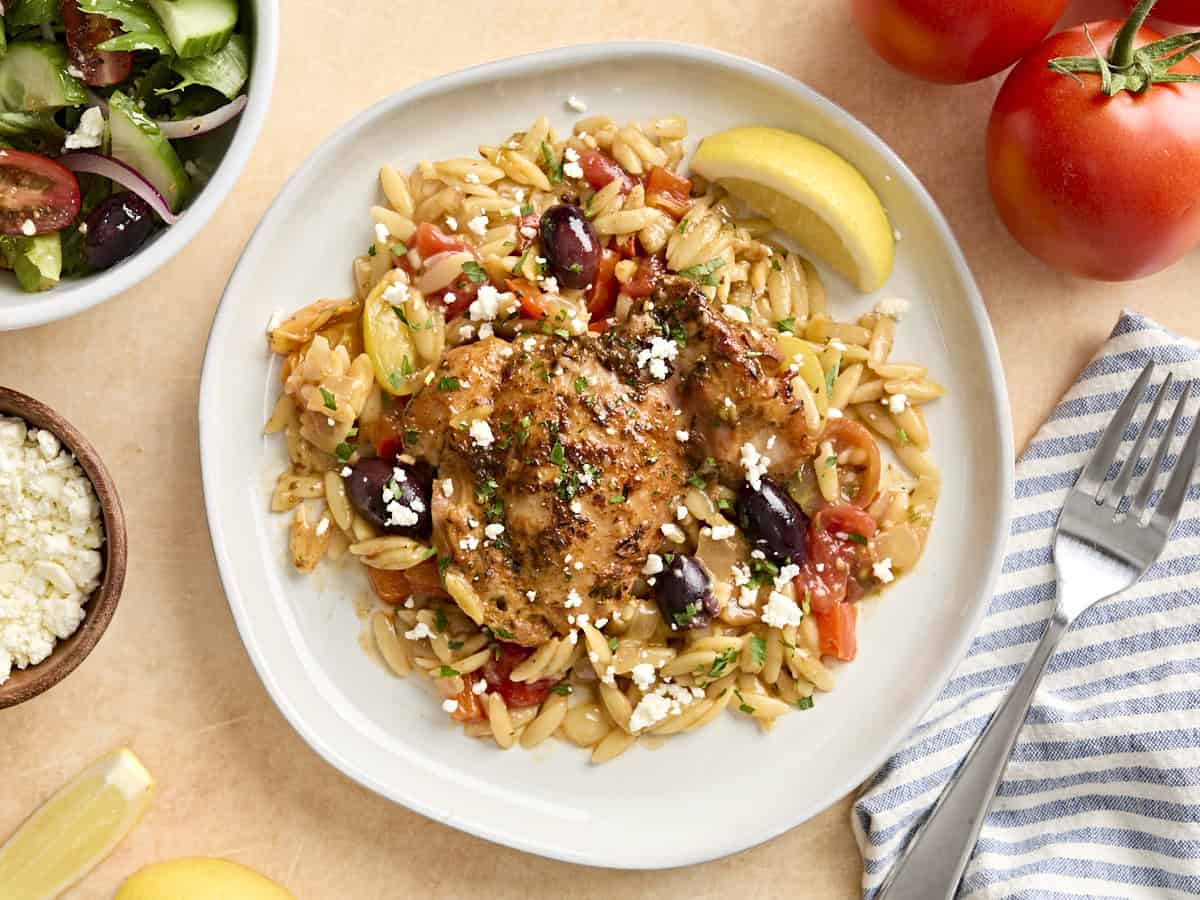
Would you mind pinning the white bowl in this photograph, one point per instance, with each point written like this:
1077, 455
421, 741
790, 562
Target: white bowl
73, 295
701, 795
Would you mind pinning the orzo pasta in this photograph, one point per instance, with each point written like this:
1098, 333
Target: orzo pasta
611, 464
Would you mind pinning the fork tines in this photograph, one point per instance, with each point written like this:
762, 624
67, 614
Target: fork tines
1092, 480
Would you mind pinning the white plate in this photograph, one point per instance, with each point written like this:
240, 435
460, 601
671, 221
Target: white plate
700, 796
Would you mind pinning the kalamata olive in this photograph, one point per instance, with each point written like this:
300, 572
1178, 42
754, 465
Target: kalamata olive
570, 246
117, 227
773, 522
392, 496
684, 593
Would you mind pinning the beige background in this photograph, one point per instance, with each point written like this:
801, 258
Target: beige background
171, 678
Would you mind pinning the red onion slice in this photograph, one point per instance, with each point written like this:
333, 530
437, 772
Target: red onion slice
115, 170
186, 128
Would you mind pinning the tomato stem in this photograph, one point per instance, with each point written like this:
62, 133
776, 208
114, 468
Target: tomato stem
1127, 68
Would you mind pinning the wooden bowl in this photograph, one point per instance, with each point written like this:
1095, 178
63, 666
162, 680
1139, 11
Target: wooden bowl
26, 683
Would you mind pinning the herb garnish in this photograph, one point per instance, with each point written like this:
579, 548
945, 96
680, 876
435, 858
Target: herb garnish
343, 452
448, 383
553, 166
703, 272
328, 399
758, 650
446, 672
475, 271
804, 703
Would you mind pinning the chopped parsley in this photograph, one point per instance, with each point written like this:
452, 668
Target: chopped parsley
439, 621
527, 209
343, 452
762, 571
406, 368
902, 435
697, 482
503, 633
411, 437
806, 606
775, 264
454, 645
371, 251
804, 703
831, 461
613, 643
399, 248
328, 399
831, 377
786, 326
475, 271
724, 660
724, 505
616, 498
703, 272
682, 227
581, 384
561, 689
553, 166
557, 454
744, 707
446, 672
447, 384
521, 261
684, 617
856, 537
443, 563
758, 650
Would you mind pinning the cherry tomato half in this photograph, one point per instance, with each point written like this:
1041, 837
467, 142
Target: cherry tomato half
85, 32
497, 671
955, 41
34, 188
1103, 187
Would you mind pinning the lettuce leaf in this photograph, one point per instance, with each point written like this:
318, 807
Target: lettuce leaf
225, 71
143, 30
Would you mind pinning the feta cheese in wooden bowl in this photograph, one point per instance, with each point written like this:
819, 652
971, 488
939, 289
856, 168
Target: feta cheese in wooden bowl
62, 547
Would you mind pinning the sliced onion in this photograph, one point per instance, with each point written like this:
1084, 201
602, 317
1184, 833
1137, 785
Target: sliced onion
115, 170
186, 128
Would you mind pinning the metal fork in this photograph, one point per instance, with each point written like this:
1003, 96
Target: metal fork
1100, 549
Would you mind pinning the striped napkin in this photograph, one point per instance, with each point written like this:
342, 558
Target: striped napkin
1102, 796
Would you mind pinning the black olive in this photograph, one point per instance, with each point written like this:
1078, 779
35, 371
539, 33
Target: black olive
684, 593
773, 522
374, 485
570, 246
118, 226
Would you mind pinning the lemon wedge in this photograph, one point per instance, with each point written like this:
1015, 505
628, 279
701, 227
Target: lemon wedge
76, 828
808, 192
200, 878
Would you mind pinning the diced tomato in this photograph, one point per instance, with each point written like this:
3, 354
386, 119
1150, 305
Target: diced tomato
85, 32
460, 293
431, 240
469, 708
599, 169
668, 192
824, 576
603, 296
385, 433
836, 631
530, 296
650, 269
599, 326
497, 672
626, 246
396, 587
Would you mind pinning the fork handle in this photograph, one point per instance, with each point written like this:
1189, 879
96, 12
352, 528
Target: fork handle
932, 864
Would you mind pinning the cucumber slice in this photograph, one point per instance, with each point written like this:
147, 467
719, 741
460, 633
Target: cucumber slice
138, 142
36, 261
197, 27
33, 77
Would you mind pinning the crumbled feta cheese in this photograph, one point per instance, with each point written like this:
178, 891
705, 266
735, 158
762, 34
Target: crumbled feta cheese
418, 631
722, 532
574, 103
50, 535
883, 570
681, 513
486, 305
83, 228
786, 575
892, 307
741, 574
673, 533
486, 331
643, 675
396, 292
470, 542
755, 464
528, 231
322, 526
471, 178
479, 687
576, 507
399, 514
896, 403
548, 284
381, 233
28, 228
665, 700
736, 313
682, 436
654, 564
781, 611
447, 487
347, 471
493, 531
835, 344
481, 433
452, 223
451, 705
573, 601
572, 169
833, 413
655, 358
478, 225
90, 132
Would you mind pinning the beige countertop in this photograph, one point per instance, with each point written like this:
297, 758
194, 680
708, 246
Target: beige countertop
171, 679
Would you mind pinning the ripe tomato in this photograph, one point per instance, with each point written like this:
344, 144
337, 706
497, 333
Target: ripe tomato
603, 296
497, 672
599, 169
668, 192
955, 41
834, 536
34, 188
84, 33
836, 635
649, 270
393, 587
1181, 12
1103, 187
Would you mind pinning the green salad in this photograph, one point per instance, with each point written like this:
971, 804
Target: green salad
104, 109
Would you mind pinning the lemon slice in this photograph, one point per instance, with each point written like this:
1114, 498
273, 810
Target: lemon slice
200, 878
809, 192
76, 828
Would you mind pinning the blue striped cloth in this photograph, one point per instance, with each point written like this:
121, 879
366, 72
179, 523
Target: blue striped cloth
1102, 796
